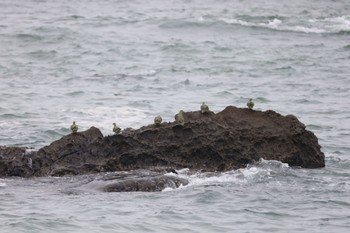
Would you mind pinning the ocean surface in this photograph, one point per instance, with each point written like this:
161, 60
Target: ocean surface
99, 62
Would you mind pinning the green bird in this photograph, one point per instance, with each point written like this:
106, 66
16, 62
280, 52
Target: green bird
250, 104
204, 108
74, 127
158, 120
180, 118
116, 129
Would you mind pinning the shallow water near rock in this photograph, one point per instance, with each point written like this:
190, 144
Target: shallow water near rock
129, 61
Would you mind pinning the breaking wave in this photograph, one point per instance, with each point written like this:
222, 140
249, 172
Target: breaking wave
319, 26
262, 172
2, 184
327, 25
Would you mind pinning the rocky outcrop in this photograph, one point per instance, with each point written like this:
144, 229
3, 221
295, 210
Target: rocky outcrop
227, 140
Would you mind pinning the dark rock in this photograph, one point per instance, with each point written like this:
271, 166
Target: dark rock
71, 155
16, 161
227, 140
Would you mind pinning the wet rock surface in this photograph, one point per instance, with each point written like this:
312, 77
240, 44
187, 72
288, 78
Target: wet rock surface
227, 140
149, 183
123, 181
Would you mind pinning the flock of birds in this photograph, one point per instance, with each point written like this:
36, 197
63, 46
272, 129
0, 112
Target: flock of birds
158, 119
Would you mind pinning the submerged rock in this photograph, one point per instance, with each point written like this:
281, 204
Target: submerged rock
146, 184
227, 140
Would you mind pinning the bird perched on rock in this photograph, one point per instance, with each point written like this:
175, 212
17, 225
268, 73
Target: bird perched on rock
74, 127
116, 129
180, 118
250, 104
158, 120
204, 108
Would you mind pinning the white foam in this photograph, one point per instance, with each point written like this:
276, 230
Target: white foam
278, 24
274, 163
29, 151
333, 157
167, 189
199, 179
305, 29
341, 23
275, 23
261, 171
200, 19
2, 185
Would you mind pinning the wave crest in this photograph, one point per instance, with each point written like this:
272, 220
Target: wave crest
262, 172
319, 26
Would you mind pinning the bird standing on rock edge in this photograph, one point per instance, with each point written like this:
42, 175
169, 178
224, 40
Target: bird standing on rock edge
158, 120
116, 129
204, 108
74, 127
250, 104
180, 118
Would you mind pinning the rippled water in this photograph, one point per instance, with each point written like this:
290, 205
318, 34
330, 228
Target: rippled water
99, 62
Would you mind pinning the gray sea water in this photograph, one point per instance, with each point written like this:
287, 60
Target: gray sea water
99, 62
